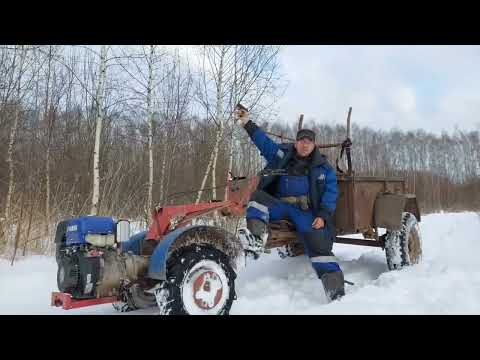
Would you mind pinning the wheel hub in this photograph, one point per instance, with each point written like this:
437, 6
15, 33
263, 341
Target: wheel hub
414, 247
207, 289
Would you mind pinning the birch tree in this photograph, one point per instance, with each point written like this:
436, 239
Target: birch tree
143, 68
13, 130
233, 74
102, 76
48, 120
18, 56
176, 91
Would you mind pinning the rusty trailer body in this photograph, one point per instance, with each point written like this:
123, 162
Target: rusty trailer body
365, 204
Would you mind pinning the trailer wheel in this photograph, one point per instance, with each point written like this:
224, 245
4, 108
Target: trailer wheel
200, 281
404, 247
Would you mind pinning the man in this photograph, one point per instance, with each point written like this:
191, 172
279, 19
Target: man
299, 185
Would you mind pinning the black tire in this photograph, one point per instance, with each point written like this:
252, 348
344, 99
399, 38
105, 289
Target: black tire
60, 239
192, 270
67, 275
404, 247
59, 252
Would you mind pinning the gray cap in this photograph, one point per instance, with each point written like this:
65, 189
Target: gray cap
306, 133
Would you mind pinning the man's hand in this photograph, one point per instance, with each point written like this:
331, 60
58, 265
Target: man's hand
318, 223
241, 116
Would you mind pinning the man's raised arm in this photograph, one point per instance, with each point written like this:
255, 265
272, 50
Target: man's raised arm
268, 148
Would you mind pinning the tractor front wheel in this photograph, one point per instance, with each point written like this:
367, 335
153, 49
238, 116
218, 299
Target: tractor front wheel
200, 281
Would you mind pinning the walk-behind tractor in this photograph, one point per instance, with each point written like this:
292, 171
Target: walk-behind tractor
191, 269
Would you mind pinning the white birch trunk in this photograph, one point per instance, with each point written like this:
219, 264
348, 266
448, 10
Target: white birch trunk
11, 143
98, 130
232, 138
150, 130
219, 118
207, 171
230, 162
219, 134
214, 162
164, 163
11, 180
9, 235
47, 155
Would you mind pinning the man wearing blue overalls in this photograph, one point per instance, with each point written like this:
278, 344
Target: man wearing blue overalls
302, 189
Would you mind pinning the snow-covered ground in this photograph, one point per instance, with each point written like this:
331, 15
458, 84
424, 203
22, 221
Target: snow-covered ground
446, 282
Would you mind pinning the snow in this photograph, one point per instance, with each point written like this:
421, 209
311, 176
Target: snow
447, 281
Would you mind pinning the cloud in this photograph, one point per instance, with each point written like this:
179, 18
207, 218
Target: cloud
403, 100
408, 87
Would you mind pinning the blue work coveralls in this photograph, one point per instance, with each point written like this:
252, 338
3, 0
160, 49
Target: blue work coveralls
320, 185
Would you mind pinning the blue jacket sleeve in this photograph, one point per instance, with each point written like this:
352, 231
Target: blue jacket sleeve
328, 202
268, 148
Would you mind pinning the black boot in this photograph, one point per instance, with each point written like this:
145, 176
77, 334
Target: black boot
333, 283
256, 237
257, 228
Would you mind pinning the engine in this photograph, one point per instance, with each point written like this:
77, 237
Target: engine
90, 263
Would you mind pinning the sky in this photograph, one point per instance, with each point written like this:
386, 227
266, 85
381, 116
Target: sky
435, 88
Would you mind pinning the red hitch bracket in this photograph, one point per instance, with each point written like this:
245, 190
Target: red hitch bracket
66, 302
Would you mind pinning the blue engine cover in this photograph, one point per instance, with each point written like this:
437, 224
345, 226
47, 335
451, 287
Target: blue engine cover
79, 227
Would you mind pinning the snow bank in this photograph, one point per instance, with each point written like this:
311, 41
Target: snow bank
447, 281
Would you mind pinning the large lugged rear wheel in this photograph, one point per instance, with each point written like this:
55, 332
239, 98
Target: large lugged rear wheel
200, 281
404, 247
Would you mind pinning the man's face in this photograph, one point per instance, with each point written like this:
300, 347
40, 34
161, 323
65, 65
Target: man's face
304, 146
